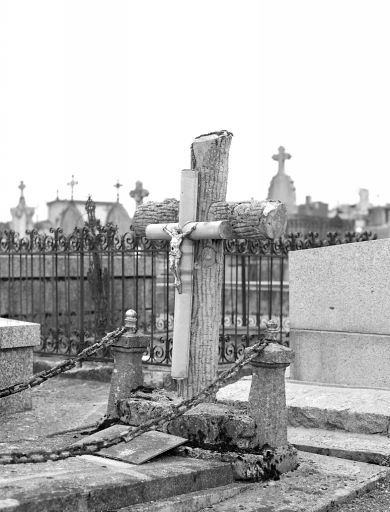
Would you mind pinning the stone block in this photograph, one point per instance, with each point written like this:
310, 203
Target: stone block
341, 288
15, 366
17, 340
344, 358
16, 334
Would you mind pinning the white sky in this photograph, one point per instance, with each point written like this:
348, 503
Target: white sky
116, 89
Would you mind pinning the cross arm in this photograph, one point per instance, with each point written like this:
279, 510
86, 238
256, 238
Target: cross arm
248, 219
153, 212
252, 219
203, 230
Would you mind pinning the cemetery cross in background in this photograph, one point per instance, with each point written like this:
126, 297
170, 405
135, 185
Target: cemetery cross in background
139, 193
72, 184
203, 205
281, 157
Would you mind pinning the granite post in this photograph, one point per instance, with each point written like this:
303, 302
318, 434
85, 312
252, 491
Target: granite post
267, 403
127, 374
267, 397
17, 341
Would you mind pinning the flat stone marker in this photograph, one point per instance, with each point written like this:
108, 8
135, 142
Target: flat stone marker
143, 448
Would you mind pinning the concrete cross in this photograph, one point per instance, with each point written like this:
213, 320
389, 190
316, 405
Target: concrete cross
22, 186
206, 218
72, 185
117, 186
139, 193
281, 157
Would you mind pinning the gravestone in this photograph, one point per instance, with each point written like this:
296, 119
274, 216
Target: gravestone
17, 341
205, 218
339, 314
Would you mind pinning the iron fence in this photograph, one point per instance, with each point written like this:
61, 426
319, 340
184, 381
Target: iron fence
79, 286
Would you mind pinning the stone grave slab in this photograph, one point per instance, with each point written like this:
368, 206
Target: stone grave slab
97, 484
143, 448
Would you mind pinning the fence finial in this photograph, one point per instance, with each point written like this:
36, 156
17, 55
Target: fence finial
271, 331
131, 320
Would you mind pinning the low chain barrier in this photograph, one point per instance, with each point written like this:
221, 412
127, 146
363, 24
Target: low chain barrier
94, 446
66, 365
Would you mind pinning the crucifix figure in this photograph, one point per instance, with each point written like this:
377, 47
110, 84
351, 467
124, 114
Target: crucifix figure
72, 185
139, 193
117, 186
22, 186
177, 236
281, 157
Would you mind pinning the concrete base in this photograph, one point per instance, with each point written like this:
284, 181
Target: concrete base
358, 410
252, 467
17, 340
215, 432
350, 359
100, 485
372, 449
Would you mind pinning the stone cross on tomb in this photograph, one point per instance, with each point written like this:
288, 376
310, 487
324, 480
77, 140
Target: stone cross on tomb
196, 229
139, 193
22, 186
72, 185
281, 157
117, 186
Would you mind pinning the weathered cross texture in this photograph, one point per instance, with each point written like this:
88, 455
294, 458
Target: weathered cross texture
72, 185
281, 157
203, 204
139, 193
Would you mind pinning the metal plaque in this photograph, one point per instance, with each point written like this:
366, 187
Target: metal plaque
142, 448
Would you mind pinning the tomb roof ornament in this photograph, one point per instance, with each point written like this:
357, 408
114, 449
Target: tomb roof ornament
117, 186
72, 185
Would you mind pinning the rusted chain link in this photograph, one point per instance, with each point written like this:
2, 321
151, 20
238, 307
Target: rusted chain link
126, 436
66, 365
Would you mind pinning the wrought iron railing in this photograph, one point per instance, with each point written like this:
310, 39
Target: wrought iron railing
79, 287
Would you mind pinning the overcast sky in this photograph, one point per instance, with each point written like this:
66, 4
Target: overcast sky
115, 89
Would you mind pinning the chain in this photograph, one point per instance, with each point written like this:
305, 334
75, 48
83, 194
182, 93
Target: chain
126, 436
66, 365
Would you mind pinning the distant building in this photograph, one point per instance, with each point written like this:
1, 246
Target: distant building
313, 215
313, 209
378, 221
356, 213
68, 214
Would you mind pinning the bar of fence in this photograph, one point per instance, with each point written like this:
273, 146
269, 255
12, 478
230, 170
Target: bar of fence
79, 286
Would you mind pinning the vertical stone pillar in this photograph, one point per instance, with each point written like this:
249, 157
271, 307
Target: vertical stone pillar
267, 398
127, 374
